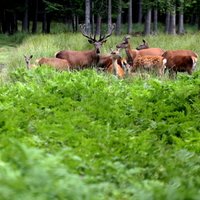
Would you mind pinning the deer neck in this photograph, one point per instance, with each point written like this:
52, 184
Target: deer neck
131, 54
93, 56
115, 66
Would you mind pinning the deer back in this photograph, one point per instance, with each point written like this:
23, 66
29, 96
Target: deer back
57, 63
171, 53
78, 59
151, 52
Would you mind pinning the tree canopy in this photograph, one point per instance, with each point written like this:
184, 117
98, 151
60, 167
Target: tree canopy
73, 12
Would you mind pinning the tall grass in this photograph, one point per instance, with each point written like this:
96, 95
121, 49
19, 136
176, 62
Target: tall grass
48, 45
88, 135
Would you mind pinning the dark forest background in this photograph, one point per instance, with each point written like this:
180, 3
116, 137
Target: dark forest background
26, 15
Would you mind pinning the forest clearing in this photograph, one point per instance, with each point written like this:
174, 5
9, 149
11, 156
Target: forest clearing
89, 135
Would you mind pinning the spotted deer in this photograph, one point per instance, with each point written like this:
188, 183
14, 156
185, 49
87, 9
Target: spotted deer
150, 63
133, 53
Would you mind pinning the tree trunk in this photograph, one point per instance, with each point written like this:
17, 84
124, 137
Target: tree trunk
73, 23
48, 23
198, 24
155, 21
167, 22
93, 20
3, 21
13, 22
35, 18
173, 22
109, 15
130, 17
119, 19
181, 22
44, 22
7, 22
87, 16
147, 27
140, 11
25, 17
98, 25
77, 22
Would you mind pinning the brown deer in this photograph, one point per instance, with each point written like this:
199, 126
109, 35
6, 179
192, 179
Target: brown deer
119, 66
180, 61
106, 60
181, 52
28, 62
88, 58
55, 63
133, 53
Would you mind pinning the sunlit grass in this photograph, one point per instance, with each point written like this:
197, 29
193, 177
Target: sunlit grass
47, 45
90, 136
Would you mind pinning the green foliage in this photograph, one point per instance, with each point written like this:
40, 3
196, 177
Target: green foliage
88, 135
136, 137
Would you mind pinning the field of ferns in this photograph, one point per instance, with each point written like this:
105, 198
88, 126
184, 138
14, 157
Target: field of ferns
87, 135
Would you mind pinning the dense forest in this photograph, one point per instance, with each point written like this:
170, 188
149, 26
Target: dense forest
25, 15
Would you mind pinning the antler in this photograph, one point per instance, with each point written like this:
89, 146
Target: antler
126, 38
83, 31
102, 38
93, 39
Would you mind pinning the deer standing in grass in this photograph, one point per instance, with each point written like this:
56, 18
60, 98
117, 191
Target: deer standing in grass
150, 63
87, 58
133, 53
180, 61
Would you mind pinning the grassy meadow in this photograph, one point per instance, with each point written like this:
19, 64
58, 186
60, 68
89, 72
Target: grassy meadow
86, 135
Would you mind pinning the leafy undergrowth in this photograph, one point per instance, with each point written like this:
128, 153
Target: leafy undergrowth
87, 135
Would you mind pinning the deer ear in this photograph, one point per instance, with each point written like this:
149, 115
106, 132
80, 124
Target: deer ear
144, 41
104, 41
31, 56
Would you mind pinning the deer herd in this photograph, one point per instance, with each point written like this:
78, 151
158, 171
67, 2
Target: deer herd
139, 59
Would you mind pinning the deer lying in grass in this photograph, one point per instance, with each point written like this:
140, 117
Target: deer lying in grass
133, 53
119, 66
82, 59
150, 63
55, 63
28, 62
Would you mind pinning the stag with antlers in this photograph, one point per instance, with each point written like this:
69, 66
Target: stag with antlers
87, 58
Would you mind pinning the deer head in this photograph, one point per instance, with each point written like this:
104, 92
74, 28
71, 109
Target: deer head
124, 44
92, 39
28, 60
115, 54
145, 45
